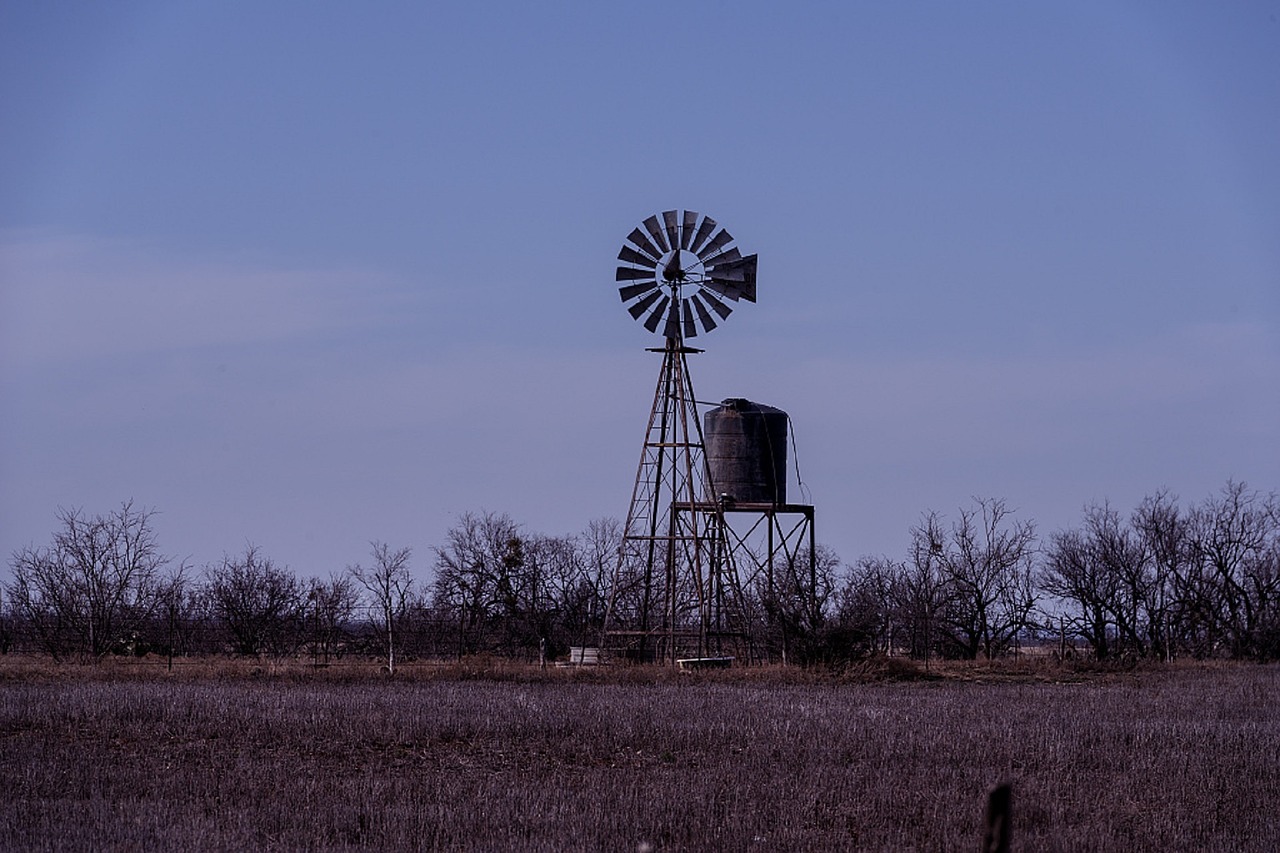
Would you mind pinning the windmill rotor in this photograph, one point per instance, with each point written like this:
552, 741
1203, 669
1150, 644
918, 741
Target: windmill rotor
680, 271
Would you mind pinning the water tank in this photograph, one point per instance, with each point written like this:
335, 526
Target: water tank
746, 445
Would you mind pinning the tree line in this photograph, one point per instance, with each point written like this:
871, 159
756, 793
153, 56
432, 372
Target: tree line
103, 586
1162, 581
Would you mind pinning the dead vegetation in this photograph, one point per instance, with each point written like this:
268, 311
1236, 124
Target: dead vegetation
493, 757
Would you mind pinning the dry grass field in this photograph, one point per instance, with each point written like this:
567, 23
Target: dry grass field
239, 757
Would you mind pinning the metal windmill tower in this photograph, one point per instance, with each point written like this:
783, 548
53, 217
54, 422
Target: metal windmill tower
675, 589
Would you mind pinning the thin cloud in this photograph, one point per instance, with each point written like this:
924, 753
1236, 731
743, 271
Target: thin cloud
68, 298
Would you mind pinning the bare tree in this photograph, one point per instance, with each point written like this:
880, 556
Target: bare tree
921, 594
1124, 556
1205, 580
797, 602
389, 584
95, 586
1165, 531
987, 560
330, 607
513, 592
1107, 574
584, 591
556, 595
474, 568
6, 625
1084, 586
260, 604
1238, 540
865, 610
178, 616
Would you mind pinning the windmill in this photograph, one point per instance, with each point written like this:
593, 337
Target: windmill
675, 590
700, 268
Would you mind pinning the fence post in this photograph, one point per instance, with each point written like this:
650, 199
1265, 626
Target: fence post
997, 837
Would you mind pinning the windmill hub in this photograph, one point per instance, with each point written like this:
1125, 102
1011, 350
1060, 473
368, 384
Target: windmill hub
675, 270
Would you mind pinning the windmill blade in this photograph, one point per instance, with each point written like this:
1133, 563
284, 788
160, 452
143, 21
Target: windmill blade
631, 291
703, 315
716, 305
631, 274
631, 256
672, 329
638, 238
686, 230
643, 305
651, 323
704, 231
690, 328
717, 243
655, 231
671, 218
726, 257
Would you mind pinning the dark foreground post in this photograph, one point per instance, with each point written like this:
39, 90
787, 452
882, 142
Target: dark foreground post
997, 839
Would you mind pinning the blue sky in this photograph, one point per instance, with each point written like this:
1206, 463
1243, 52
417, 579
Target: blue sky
307, 275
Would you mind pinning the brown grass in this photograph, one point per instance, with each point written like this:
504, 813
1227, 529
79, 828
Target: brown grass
280, 756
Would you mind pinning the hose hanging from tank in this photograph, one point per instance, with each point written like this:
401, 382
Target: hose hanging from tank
795, 456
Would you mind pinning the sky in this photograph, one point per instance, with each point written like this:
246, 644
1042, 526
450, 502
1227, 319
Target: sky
308, 275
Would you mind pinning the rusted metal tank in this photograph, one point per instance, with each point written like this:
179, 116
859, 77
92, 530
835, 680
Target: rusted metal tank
746, 446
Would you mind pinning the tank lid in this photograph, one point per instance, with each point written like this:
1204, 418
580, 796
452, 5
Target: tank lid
740, 404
